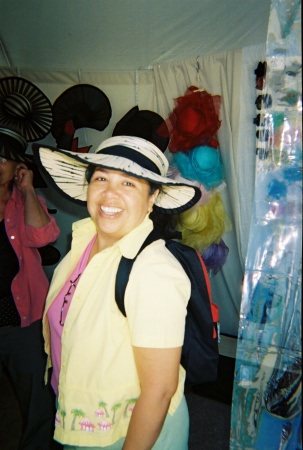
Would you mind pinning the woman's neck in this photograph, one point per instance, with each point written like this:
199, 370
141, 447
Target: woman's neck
99, 245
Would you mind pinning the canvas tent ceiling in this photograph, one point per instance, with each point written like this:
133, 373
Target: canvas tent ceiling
124, 34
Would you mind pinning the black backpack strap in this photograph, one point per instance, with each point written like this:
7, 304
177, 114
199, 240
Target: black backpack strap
125, 267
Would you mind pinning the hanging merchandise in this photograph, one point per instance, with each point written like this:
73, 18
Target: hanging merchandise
194, 121
144, 124
203, 164
25, 107
204, 225
215, 257
196, 159
267, 394
80, 106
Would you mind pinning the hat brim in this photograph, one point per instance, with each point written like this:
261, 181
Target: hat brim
24, 105
65, 170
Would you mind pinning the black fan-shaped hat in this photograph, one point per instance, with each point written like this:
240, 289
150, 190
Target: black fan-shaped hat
83, 104
144, 124
24, 105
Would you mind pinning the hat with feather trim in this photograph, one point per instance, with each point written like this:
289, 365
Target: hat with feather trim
24, 105
133, 155
144, 124
193, 121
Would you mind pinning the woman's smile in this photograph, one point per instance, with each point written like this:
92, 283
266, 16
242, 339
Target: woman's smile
110, 211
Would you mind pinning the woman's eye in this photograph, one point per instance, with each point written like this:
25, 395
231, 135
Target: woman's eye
128, 183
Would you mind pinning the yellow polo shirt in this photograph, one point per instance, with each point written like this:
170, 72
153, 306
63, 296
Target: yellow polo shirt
98, 381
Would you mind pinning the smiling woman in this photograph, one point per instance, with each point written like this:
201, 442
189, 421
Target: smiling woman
132, 374
117, 203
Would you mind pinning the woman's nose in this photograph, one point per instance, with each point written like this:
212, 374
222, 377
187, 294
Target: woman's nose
111, 189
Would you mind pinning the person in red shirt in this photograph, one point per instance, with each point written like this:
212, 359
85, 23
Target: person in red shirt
25, 226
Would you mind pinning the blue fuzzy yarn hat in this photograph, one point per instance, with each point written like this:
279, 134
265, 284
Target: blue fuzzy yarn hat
203, 164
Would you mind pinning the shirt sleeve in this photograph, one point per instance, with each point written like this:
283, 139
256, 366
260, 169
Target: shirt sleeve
156, 298
38, 237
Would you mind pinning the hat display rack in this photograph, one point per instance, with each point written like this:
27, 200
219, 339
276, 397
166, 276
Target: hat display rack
192, 127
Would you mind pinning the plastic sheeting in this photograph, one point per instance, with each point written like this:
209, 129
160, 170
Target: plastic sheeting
267, 403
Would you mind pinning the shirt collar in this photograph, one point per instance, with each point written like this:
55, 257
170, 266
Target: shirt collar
130, 244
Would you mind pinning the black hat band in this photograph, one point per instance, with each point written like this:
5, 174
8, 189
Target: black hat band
128, 153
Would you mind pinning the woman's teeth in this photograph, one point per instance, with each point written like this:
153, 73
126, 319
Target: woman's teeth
109, 210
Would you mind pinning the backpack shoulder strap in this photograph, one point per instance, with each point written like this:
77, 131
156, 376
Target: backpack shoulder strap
125, 267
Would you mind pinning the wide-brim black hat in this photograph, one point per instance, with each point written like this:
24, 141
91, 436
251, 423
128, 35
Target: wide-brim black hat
144, 124
24, 105
83, 104
13, 146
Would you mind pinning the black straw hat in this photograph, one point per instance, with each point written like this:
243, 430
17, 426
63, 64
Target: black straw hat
13, 147
24, 105
144, 124
85, 106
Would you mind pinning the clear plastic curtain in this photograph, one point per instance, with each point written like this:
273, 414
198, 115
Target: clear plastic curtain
266, 407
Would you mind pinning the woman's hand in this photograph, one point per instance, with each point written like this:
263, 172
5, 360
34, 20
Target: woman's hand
23, 178
158, 370
34, 213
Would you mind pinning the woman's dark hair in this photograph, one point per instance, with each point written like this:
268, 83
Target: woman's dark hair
89, 172
165, 224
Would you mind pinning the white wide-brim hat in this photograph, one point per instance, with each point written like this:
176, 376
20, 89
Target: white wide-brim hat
132, 155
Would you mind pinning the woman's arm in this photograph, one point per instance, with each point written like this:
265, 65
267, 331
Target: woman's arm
158, 371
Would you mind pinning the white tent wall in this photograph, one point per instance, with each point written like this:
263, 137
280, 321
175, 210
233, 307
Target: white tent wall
228, 74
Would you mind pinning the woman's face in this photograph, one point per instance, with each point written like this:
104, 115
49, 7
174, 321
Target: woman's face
117, 203
7, 171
